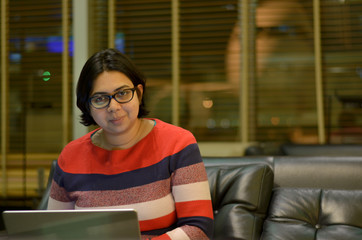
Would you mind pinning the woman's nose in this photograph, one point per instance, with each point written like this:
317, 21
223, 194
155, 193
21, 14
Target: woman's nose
113, 105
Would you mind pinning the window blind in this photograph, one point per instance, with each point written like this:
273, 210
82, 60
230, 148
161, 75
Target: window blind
285, 82
98, 22
282, 92
143, 32
210, 100
342, 51
35, 92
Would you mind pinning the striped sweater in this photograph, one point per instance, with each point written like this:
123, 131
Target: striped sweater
162, 177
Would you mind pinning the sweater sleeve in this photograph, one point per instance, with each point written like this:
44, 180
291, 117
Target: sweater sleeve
190, 189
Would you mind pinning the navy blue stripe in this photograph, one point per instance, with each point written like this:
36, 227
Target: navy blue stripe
158, 232
188, 156
96, 182
204, 223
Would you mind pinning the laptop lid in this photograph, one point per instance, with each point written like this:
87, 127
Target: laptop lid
72, 224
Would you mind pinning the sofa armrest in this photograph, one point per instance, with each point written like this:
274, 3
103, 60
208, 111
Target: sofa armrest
240, 197
43, 205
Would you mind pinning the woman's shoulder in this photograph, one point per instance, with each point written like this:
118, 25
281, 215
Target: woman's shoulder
167, 128
79, 145
76, 152
168, 133
82, 140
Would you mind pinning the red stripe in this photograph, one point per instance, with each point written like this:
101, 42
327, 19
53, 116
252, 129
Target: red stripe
107, 162
200, 208
156, 223
162, 237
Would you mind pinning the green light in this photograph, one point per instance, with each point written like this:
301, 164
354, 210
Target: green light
46, 76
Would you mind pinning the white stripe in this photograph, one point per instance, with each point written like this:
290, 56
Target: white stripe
178, 234
58, 205
147, 210
191, 192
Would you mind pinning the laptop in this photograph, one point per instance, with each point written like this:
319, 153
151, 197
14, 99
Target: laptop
72, 224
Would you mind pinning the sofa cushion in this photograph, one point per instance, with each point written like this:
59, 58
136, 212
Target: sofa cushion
240, 196
314, 214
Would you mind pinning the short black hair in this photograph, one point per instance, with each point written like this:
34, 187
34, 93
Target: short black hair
106, 60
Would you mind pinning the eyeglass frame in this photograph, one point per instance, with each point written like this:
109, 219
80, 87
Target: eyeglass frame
110, 97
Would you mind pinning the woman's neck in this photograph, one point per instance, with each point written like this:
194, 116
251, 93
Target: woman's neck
125, 140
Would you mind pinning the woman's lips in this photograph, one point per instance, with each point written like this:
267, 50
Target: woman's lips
116, 121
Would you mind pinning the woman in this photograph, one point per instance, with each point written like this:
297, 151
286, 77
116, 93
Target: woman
131, 161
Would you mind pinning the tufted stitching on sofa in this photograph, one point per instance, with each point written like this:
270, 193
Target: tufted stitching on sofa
314, 214
262, 189
317, 225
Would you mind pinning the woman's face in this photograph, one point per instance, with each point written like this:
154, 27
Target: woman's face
116, 118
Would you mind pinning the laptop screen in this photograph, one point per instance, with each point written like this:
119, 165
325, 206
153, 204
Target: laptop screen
72, 224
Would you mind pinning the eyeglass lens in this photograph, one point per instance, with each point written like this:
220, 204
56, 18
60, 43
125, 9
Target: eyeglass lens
123, 96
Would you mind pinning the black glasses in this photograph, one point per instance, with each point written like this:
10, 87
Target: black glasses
103, 100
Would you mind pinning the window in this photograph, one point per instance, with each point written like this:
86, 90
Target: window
342, 69
38, 97
232, 72
144, 32
210, 100
208, 103
285, 94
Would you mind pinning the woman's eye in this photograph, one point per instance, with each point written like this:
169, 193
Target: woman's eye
100, 99
122, 93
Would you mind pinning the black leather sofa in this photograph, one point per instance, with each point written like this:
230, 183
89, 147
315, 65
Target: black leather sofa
286, 197
283, 197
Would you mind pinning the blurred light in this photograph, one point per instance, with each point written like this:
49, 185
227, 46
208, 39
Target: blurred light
46, 76
359, 71
275, 121
225, 123
211, 123
207, 103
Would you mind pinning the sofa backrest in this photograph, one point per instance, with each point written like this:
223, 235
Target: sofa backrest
313, 197
321, 149
328, 172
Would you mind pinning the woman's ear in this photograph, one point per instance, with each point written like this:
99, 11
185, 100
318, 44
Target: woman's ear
139, 90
